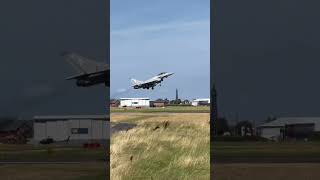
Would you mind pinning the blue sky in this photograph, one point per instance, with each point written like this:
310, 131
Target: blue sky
149, 37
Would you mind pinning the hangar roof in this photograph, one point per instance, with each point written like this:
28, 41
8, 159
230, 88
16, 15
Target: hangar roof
202, 99
291, 120
134, 98
70, 117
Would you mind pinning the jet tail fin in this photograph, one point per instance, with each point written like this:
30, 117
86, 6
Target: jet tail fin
82, 65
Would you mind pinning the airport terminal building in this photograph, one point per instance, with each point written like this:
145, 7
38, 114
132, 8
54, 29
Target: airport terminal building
290, 127
135, 102
78, 129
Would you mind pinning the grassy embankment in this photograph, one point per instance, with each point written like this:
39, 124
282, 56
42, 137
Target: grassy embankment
177, 149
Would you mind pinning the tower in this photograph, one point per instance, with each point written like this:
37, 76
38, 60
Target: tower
177, 97
214, 110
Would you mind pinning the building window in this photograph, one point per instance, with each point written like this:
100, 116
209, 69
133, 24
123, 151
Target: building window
135, 103
79, 131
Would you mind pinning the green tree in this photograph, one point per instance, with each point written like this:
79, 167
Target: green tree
220, 126
247, 125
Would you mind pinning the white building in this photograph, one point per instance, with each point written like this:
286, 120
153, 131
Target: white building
134, 102
197, 102
291, 126
79, 128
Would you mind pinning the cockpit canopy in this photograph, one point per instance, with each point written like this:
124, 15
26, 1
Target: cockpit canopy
161, 73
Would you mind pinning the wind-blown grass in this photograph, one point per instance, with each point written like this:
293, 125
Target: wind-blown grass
170, 146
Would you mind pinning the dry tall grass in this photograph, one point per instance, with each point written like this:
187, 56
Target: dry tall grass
162, 146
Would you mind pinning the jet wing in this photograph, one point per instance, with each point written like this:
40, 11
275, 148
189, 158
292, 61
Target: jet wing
77, 76
81, 75
166, 75
149, 83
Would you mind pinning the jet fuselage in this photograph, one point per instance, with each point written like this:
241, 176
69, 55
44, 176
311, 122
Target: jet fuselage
152, 82
93, 79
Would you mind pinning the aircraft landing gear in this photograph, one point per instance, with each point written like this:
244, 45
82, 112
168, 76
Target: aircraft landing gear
152, 88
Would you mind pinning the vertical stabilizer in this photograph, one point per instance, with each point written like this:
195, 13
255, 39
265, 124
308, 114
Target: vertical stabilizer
82, 64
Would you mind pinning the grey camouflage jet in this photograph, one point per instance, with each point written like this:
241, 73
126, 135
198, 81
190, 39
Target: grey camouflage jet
150, 83
89, 72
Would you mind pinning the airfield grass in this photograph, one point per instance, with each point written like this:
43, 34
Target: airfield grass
82, 171
179, 151
12, 152
251, 163
88, 164
267, 171
167, 109
258, 150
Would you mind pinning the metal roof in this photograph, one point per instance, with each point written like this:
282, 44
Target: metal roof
134, 98
291, 120
70, 117
201, 99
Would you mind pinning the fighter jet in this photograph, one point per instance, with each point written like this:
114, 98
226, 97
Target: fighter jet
150, 83
89, 72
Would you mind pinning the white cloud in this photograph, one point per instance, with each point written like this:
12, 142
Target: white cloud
121, 90
159, 27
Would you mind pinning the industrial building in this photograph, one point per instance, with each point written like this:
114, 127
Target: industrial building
201, 102
290, 128
134, 102
75, 129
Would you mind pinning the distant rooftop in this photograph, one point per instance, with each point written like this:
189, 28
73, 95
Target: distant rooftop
70, 117
280, 122
135, 98
202, 99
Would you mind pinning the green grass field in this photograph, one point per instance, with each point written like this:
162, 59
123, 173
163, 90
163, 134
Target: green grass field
299, 151
266, 160
91, 162
179, 151
83, 171
266, 171
11, 152
167, 109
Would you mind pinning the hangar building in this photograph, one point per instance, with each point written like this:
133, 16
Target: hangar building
134, 102
199, 102
290, 127
79, 128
